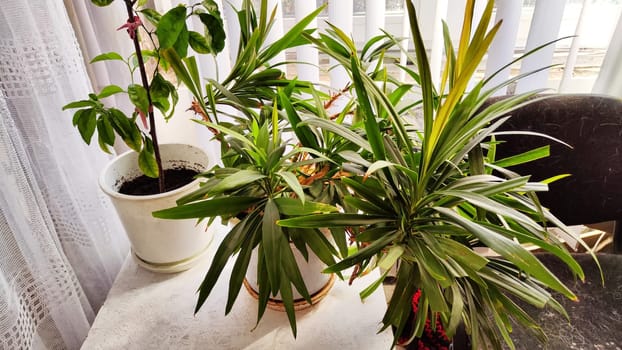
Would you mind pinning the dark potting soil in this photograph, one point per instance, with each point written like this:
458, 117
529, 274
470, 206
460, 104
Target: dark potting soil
144, 185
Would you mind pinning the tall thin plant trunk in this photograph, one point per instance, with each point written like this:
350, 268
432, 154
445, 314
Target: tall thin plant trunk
145, 83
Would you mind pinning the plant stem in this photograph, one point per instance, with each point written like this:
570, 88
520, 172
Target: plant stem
143, 77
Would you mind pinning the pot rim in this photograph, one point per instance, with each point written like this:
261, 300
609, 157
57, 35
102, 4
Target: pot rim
116, 194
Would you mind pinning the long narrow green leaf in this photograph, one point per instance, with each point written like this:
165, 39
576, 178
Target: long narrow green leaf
294, 207
371, 126
391, 257
365, 206
525, 157
238, 272
510, 250
293, 35
334, 220
233, 134
180, 70
235, 181
291, 181
363, 254
320, 245
226, 206
288, 301
262, 281
463, 254
369, 290
229, 244
305, 135
369, 193
272, 236
340, 130
424, 68
292, 272
492, 206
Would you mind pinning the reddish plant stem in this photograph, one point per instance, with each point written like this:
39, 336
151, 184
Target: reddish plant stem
145, 81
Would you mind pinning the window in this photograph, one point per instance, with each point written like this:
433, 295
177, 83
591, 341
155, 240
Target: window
359, 6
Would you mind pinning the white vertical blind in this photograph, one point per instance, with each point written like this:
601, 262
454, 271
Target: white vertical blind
231, 26
501, 50
455, 15
309, 71
374, 17
574, 48
436, 50
545, 26
405, 43
429, 15
609, 80
277, 30
340, 15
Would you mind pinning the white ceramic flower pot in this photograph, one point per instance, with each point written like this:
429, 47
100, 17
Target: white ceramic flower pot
158, 245
318, 283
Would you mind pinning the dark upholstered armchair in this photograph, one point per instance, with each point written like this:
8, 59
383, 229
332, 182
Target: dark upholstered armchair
593, 126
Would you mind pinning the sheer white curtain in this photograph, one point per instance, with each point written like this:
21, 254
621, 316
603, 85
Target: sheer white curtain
60, 242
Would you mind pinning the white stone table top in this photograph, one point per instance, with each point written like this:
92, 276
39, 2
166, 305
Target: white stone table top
146, 310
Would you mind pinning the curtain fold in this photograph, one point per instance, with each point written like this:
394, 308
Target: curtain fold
61, 244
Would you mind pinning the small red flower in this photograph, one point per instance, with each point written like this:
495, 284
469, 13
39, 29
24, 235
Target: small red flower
415, 301
433, 337
132, 26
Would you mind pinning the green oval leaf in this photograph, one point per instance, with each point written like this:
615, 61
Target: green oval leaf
79, 104
127, 129
147, 162
86, 124
109, 90
152, 16
105, 131
214, 32
138, 96
108, 56
181, 45
102, 3
198, 43
170, 26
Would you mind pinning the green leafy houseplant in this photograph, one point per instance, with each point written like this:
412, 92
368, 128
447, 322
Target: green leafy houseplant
262, 178
259, 193
167, 31
427, 198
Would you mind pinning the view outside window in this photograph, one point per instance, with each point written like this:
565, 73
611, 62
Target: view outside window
359, 6
599, 21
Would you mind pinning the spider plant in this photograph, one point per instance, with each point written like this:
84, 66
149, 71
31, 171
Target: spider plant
428, 198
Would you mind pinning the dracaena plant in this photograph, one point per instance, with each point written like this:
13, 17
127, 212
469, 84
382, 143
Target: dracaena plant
428, 197
260, 190
264, 178
147, 28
